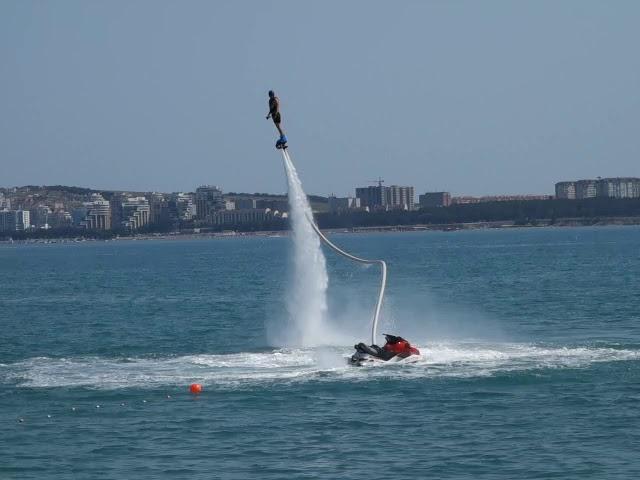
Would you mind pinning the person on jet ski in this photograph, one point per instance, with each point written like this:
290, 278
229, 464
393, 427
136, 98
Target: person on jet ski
394, 346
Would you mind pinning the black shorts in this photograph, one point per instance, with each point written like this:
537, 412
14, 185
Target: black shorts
276, 118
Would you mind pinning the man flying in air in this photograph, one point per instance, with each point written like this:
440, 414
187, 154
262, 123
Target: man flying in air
274, 113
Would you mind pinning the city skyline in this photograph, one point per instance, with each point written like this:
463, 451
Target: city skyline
468, 97
73, 210
552, 189
415, 191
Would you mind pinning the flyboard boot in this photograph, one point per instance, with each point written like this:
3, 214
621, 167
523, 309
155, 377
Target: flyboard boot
282, 142
396, 349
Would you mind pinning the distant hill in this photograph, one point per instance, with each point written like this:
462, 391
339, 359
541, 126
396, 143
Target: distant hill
274, 196
58, 188
522, 212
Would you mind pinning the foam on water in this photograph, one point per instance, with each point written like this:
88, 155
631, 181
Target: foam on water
455, 360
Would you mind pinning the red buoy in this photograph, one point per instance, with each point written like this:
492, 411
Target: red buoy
195, 388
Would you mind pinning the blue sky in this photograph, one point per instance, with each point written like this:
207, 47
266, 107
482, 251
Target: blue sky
473, 97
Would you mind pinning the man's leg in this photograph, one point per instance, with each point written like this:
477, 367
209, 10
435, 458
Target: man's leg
279, 129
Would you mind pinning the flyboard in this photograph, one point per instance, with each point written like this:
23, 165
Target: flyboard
396, 349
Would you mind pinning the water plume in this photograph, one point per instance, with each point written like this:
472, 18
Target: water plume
307, 293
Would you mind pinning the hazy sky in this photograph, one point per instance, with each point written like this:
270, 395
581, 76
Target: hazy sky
474, 97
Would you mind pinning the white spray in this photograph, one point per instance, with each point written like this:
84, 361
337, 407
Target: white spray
307, 302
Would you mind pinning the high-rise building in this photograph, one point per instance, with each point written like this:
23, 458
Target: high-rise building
60, 219
98, 214
135, 213
208, 200
372, 197
619, 187
40, 216
400, 197
435, 199
14, 220
182, 207
379, 197
585, 189
566, 190
115, 202
159, 211
243, 203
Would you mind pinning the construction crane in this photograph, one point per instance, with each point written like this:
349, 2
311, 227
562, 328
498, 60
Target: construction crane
379, 181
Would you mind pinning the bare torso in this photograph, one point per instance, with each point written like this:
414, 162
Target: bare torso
274, 105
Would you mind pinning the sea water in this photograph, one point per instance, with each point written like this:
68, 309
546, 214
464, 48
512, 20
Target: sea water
531, 368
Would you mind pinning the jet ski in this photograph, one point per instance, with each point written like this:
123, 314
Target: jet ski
396, 349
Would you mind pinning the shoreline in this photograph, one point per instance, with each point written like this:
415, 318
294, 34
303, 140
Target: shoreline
451, 227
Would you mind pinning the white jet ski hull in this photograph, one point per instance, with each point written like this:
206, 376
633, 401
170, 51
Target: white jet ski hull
360, 359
